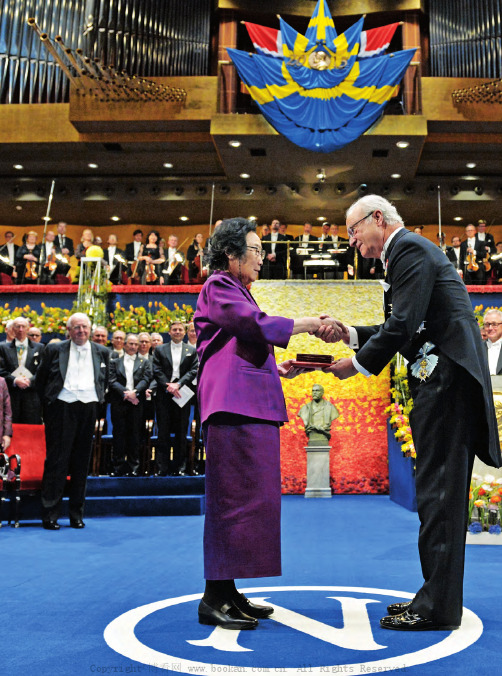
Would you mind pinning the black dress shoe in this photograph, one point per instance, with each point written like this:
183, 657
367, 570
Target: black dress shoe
226, 616
410, 621
398, 608
251, 609
77, 523
50, 525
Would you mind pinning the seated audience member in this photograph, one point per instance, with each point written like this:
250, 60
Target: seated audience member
118, 338
27, 259
5, 417
492, 324
195, 255
172, 269
34, 334
100, 336
8, 253
114, 266
86, 241
19, 362
157, 340
130, 377
64, 243
72, 381
174, 365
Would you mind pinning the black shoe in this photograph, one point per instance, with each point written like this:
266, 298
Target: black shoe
50, 525
251, 609
398, 608
410, 621
225, 615
77, 523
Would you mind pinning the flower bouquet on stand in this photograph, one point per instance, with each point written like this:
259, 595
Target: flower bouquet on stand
485, 505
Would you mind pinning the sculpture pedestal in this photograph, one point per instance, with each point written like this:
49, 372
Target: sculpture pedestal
318, 469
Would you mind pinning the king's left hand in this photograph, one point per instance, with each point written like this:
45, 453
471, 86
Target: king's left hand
342, 369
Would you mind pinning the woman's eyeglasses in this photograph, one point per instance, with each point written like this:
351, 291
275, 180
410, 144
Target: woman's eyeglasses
258, 252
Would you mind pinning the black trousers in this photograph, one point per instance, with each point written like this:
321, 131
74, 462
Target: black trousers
448, 423
171, 419
128, 434
26, 406
69, 429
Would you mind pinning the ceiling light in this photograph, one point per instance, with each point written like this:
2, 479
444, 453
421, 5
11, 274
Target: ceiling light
402, 144
395, 175
251, 218
92, 165
115, 218
19, 207
470, 165
234, 144
168, 165
183, 218
244, 175
458, 218
470, 177
18, 166
321, 175
321, 218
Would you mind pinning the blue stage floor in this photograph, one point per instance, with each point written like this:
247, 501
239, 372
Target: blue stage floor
121, 597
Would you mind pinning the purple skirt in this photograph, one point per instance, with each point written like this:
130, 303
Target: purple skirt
242, 529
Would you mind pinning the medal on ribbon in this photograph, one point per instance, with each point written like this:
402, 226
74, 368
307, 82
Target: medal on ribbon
425, 364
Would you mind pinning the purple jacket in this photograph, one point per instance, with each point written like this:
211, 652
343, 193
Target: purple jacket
237, 368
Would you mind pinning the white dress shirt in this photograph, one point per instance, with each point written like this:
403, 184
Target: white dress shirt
176, 349
137, 247
493, 355
79, 384
273, 238
129, 360
22, 351
111, 256
12, 253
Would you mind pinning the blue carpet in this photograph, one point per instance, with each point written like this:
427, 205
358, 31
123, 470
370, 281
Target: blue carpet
63, 590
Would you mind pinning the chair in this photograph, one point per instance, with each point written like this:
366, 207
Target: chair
10, 468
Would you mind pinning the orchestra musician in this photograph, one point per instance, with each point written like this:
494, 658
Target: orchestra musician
174, 259
114, 265
8, 253
64, 243
131, 253
151, 259
51, 259
194, 257
27, 258
86, 241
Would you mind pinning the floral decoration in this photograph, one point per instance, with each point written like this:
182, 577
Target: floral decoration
399, 411
485, 504
358, 462
157, 317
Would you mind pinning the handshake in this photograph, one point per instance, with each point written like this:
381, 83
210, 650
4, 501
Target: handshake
329, 330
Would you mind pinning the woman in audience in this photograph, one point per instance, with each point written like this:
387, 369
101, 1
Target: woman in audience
86, 241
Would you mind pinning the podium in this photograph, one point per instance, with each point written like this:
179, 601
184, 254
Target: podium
318, 469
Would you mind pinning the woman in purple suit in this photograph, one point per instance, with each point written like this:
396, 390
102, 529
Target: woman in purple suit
242, 407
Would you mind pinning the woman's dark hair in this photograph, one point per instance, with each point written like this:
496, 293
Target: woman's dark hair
153, 232
229, 239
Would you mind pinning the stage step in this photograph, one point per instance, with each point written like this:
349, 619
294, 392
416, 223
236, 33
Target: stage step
129, 496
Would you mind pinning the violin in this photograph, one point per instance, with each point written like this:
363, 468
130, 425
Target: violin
486, 262
151, 275
472, 264
51, 262
134, 266
30, 271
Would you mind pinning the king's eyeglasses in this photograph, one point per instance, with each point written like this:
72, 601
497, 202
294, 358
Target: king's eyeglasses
352, 229
487, 325
258, 252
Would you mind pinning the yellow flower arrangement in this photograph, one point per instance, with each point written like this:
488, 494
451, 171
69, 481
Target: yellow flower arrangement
157, 317
485, 504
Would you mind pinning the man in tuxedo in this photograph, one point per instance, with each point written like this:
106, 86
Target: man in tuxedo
429, 320
48, 254
485, 237
132, 250
8, 251
114, 266
301, 243
174, 365
118, 339
477, 250
492, 322
19, 361
130, 377
171, 272
64, 243
275, 247
100, 335
453, 254
72, 380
